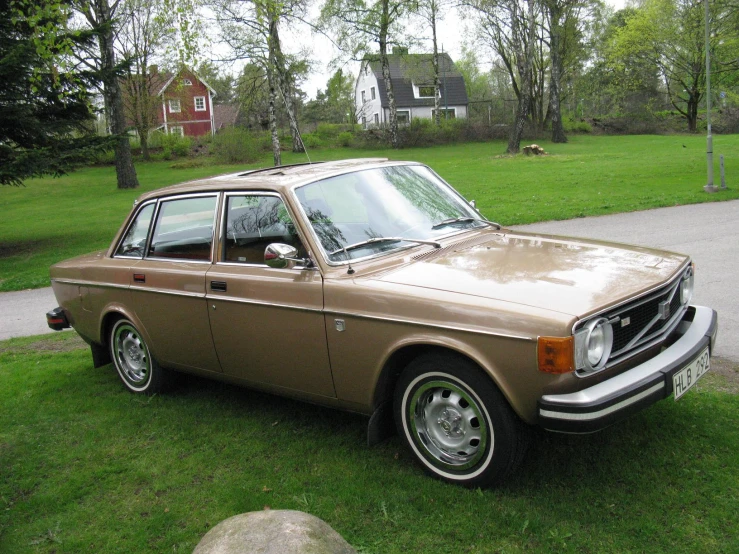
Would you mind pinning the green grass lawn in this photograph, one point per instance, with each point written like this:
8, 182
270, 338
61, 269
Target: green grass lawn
87, 467
52, 219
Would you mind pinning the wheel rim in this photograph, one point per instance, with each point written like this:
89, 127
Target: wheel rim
131, 354
448, 425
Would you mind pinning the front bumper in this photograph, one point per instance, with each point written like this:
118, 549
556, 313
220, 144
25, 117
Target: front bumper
603, 404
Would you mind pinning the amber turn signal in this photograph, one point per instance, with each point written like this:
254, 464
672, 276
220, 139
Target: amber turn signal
556, 354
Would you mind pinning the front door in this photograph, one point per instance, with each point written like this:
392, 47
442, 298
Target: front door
268, 325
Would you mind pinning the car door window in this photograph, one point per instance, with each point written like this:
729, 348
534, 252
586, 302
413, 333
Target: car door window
184, 229
253, 222
133, 244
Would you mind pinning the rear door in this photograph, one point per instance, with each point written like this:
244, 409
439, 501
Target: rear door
168, 285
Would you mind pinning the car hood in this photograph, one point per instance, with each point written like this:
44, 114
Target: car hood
566, 275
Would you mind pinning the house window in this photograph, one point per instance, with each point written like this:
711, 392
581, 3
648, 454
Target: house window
377, 119
187, 82
403, 116
426, 91
364, 97
364, 122
177, 130
450, 113
200, 103
372, 91
174, 105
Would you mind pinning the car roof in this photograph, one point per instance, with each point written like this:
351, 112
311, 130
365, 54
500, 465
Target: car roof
279, 178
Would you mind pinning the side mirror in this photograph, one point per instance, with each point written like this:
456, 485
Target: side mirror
282, 256
473, 204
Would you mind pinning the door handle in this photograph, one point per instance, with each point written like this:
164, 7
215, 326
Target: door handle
218, 286
139, 278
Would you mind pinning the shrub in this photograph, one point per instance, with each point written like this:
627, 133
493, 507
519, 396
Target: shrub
328, 131
576, 126
175, 146
235, 145
345, 139
311, 140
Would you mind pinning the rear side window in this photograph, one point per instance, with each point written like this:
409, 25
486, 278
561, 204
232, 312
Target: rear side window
184, 229
133, 244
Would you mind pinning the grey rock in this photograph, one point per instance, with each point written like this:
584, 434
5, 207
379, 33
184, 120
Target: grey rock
273, 532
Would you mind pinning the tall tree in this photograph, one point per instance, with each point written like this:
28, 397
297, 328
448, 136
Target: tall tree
510, 29
45, 109
433, 11
145, 27
670, 34
251, 29
360, 24
103, 17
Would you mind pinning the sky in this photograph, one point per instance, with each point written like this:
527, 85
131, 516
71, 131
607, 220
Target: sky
452, 34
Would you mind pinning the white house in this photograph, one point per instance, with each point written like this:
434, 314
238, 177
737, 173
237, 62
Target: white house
413, 86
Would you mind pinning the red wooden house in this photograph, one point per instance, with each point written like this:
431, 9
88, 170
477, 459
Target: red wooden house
187, 104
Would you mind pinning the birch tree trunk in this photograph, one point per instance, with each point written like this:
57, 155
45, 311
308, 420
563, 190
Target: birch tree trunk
280, 71
384, 24
435, 62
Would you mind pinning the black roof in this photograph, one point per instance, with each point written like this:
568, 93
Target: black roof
406, 69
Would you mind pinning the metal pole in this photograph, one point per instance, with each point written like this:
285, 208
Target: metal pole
723, 175
710, 187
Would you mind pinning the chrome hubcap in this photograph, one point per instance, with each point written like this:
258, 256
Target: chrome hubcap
448, 425
132, 357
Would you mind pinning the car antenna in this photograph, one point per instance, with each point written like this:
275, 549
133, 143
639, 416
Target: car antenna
350, 271
292, 118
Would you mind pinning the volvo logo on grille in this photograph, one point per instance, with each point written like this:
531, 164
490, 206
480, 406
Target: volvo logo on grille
664, 309
625, 321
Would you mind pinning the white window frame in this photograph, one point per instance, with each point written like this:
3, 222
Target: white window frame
376, 118
364, 122
195, 100
398, 112
177, 130
364, 97
186, 82
442, 110
372, 93
174, 102
417, 90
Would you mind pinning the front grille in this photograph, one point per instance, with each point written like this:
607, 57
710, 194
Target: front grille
642, 315
643, 323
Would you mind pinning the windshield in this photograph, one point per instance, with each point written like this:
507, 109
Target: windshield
406, 202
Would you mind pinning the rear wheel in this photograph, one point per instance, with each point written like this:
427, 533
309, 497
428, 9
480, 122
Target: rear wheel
136, 367
456, 422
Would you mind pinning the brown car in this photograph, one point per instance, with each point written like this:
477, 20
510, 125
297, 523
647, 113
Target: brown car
372, 286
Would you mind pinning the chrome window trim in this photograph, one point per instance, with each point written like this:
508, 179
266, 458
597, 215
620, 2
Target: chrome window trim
125, 232
263, 266
317, 241
265, 192
155, 219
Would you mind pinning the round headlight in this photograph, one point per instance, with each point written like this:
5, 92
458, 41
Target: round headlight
686, 288
596, 345
599, 340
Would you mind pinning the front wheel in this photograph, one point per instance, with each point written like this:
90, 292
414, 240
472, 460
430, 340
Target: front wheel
138, 370
456, 422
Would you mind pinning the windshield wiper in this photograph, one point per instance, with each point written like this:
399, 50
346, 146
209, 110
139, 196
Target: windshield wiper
465, 219
383, 239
